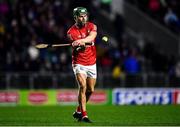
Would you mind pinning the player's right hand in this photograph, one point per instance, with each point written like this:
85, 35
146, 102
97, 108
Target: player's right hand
78, 43
75, 43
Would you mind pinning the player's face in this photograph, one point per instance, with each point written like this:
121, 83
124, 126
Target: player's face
82, 19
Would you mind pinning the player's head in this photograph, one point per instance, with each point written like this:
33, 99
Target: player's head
80, 16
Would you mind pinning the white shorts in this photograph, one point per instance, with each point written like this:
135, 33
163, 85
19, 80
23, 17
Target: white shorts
89, 71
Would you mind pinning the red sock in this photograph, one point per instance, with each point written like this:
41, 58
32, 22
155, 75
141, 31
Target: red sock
78, 109
84, 113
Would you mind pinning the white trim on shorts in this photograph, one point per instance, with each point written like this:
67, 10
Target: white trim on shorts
90, 71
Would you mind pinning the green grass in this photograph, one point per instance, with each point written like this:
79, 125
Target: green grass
100, 115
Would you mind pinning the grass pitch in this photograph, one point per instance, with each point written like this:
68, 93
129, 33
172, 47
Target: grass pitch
100, 115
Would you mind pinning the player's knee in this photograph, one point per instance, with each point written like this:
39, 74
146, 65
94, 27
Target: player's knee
82, 87
90, 91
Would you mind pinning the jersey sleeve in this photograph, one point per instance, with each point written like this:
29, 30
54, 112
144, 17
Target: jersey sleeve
93, 27
69, 36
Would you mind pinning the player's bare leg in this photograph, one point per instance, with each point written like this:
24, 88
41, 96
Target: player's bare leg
90, 87
81, 79
89, 90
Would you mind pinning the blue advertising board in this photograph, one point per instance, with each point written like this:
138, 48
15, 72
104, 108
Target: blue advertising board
140, 96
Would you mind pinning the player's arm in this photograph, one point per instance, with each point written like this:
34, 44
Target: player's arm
92, 35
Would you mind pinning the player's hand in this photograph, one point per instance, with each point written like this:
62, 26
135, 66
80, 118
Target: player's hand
78, 43
75, 43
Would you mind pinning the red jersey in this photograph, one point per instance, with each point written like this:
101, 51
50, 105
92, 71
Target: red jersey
88, 56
